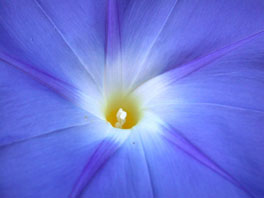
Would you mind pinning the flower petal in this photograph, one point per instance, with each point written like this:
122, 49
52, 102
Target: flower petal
175, 174
113, 58
181, 31
148, 166
142, 22
48, 165
104, 151
164, 81
29, 109
61, 45
220, 110
126, 173
180, 142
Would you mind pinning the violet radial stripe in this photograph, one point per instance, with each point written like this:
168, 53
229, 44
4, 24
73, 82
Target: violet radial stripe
113, 57
41, 76
113, 33
104, 151
182, 143
60, 87
186, 69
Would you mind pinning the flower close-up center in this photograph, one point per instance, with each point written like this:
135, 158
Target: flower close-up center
131, 99
122, 111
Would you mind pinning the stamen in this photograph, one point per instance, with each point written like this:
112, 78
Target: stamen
121, 118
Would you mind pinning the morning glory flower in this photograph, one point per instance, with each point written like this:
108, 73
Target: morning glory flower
124, 99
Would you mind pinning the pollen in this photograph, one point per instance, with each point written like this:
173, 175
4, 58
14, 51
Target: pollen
122, 111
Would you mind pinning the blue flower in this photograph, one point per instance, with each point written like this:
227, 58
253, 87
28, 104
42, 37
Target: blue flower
127, 99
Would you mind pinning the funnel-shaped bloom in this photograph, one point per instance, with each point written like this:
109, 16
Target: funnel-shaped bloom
131, 99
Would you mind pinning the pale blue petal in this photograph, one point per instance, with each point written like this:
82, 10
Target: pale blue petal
103, 152
174, 173
38, 34
48, 165
126, 173
219, 108
29, 109
161, 35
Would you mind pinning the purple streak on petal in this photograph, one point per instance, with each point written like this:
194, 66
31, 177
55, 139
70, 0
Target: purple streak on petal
33, 107
113, 61
47, 166
194, 29
182, 143
104, 151
60, 87
196, 65
40, 76
187, 69
29, 36
113, 43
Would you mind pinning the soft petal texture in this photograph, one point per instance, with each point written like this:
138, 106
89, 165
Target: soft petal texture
180, 142
162, 82
141, 18
103, 152
32, 33
113, 72
175, 174
180, 31
126, 173
47, 49
48, 165
83, 29
29, 109
219, 108
148, 166
86, 100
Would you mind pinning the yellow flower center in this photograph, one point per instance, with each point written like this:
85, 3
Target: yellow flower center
122, 111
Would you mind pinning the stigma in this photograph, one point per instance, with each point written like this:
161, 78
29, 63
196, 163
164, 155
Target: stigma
121, 118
